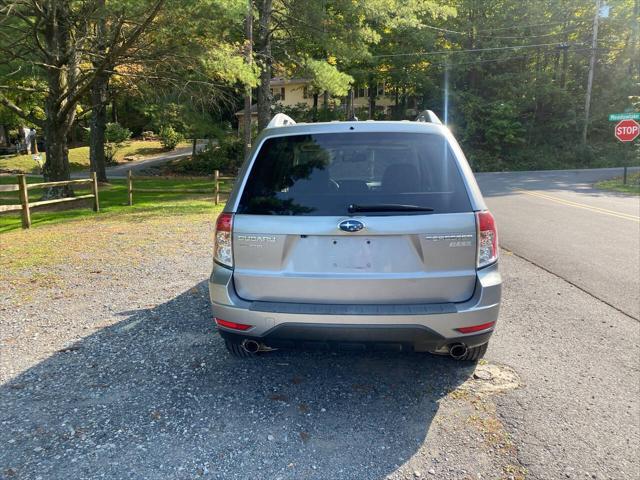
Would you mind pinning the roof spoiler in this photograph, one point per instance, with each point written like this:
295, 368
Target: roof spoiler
281, 120
427, 116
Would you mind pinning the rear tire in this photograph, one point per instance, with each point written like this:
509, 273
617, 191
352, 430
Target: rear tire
236, 350
475, 353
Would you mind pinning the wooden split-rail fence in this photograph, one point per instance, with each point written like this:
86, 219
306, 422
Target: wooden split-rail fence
25, 205
217, 193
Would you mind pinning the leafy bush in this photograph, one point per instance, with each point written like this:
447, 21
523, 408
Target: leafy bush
169, 138
115, 135
227, 157
551, 157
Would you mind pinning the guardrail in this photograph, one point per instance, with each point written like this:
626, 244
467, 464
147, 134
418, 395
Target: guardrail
217, 178
25, 206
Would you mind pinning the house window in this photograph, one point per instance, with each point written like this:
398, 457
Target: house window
305, 92
281, 93
380, 89
360, 92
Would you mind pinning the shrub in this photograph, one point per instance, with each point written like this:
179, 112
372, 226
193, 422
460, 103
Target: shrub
115, 135
227, 157
169, 138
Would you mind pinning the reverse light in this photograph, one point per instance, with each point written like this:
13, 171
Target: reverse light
487, 239
235, 326
223, 246
476, 328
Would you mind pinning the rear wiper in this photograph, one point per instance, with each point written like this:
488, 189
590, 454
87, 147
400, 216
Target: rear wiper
387, 207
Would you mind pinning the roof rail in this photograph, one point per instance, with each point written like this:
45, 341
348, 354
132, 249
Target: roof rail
428, 116
281, 120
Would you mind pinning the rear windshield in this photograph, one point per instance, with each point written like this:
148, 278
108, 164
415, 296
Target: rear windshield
324, 174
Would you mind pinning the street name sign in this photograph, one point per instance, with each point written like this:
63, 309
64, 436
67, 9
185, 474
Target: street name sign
616, 117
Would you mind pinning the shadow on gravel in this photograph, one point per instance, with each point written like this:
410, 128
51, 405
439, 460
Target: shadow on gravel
157, 396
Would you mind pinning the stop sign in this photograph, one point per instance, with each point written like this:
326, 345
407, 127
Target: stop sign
627, 130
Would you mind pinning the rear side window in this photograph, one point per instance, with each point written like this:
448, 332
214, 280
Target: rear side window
325, 173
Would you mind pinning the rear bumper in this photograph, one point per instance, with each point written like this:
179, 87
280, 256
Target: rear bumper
358, 337
426, 327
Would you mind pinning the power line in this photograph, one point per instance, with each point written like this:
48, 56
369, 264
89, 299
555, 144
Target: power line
488, 60
469, 50
445, 30
483, 31
521, 37
521, 26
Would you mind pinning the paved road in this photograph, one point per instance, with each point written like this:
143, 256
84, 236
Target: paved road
576, 349
557, 220
120, 171
137, 165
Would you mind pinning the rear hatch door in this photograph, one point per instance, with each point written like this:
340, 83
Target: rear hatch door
355, 218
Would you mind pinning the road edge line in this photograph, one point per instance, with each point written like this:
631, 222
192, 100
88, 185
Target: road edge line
582, 289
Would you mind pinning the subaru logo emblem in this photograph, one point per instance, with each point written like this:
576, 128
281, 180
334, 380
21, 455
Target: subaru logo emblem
351, 226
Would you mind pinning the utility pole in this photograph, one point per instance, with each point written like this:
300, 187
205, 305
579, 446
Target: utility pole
592, 66
246, 118
634, 66
446, 90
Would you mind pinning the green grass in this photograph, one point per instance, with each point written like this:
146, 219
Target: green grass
113, 201
615, 184
79, 156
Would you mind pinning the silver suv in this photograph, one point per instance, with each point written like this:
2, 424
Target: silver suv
356, 234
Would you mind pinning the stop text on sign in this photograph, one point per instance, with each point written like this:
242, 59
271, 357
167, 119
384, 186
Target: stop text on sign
627, 130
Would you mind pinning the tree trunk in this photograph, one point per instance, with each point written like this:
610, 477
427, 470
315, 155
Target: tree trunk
564, 68
56, 167
57, 125
114, 110
349, 105
99, 108
265, 62
246, 118
325, 100
372, 97
396, 101
98, 126
314, 109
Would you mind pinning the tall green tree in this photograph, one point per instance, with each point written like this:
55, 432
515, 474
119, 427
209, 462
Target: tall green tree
51, 36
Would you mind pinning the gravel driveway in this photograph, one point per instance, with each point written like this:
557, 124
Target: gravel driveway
111, 368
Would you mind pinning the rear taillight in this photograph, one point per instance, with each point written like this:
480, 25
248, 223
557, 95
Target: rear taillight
476, 328
487, 239
223, 249
232, 325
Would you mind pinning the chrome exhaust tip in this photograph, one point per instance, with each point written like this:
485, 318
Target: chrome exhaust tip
251, 346
458, 350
